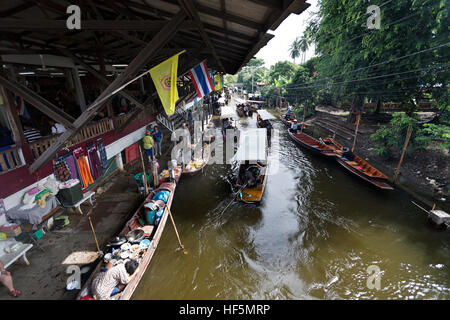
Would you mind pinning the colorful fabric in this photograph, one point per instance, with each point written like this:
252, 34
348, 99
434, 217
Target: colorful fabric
218, 82
83, 169
61, 170
102, 151
201, 79
94, 162
70, 161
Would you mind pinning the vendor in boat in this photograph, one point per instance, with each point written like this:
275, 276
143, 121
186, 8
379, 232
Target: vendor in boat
346, 154
250, 173
288, 113
259, 120
294, 127
113, 280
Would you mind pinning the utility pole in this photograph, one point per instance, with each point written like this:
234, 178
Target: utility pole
253, 92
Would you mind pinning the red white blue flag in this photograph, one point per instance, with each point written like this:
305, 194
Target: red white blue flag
201, 79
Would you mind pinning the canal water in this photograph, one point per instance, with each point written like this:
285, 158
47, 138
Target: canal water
314, 236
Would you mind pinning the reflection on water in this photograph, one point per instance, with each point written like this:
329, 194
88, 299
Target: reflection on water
313, 236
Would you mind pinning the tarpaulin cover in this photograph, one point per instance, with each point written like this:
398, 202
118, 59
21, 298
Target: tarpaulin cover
252, 145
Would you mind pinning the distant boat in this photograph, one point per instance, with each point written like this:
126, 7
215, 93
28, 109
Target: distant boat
312, 144
195, 166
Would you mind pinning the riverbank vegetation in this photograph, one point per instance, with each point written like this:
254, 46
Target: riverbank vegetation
397, 75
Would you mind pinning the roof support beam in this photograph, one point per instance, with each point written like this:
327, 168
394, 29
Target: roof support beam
101, 77
40, 103
190, 9
152, 48
95, 25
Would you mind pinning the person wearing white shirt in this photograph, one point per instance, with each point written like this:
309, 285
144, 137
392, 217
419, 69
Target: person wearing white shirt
57, 128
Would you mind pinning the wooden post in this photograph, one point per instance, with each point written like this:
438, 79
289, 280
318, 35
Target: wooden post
144, 176
358, 119
155, 174
79, 89
408, 136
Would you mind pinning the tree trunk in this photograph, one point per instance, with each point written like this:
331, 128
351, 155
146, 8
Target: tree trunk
378, 109
356, 108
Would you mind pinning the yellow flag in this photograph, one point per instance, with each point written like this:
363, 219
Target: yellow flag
164, 76
218, 82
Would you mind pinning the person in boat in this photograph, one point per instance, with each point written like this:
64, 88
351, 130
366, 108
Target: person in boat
245, 110
294, 127
268, 126
288, 113
346, 154
260, 121
7, 281
249, 174
113, 279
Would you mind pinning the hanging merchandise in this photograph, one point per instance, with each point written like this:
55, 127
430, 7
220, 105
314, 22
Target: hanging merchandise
83, 168
102, 151
94, 161
61, 169
71, 163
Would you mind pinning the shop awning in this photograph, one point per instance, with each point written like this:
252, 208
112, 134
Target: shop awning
252, 146
265, 115
221, 100
227, 112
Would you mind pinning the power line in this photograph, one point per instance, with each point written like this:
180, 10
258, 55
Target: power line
374, 65
382, 76
399, 21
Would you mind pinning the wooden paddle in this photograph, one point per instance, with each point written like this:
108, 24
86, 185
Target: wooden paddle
234, 197
176, 231
95, 237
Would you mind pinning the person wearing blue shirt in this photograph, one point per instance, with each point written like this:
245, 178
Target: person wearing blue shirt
157, 138
288, 113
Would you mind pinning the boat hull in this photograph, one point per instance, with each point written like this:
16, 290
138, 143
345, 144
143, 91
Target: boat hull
312, 144
378, 179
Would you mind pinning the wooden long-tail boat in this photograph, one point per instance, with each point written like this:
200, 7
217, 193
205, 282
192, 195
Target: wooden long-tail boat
252, 155
254, 193
164, 175
195, 166
308, 142
136, 223
360, 167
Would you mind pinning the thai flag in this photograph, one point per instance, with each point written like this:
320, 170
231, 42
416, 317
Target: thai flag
201, 79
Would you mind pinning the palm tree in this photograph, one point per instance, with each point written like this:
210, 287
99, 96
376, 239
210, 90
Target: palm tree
303, 47
294, 49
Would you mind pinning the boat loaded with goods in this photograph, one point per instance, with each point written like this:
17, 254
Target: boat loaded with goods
137, 241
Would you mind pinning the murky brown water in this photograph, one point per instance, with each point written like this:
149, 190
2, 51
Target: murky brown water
313, 236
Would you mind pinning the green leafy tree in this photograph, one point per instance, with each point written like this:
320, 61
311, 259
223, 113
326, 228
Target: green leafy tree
294, 49
383, 64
